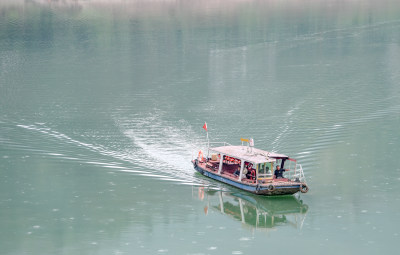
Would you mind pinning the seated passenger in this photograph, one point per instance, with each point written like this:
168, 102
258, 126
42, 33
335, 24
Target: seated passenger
253, 174
248, 175
249, 169
237, 172
244, 174
278, 174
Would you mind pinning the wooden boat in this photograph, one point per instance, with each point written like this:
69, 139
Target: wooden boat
251, 169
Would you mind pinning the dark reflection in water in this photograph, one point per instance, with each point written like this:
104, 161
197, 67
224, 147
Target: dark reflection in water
255, 211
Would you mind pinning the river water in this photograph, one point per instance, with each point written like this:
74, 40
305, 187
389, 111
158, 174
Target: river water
102, 105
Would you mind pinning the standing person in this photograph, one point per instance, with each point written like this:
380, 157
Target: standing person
278, 172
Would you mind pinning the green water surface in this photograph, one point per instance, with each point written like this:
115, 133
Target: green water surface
102, 105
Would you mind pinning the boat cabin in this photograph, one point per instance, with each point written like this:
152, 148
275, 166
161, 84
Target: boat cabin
247, 164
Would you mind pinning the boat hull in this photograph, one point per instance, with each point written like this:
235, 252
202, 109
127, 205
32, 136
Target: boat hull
266, 190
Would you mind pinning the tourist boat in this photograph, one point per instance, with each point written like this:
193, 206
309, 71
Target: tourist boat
252, 169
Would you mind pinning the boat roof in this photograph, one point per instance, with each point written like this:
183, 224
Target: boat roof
249, 154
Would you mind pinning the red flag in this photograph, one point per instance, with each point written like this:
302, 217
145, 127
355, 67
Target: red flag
205, 126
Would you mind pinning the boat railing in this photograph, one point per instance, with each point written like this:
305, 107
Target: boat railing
205, 147
298, 174
265, 177
213, 143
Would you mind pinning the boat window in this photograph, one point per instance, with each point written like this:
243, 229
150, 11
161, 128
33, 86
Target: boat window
268, 167
264, 170
261, 168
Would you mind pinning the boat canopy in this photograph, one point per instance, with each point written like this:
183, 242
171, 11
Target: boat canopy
249, 154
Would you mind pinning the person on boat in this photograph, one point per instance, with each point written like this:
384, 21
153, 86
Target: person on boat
279, 172
237, 172
244, 174
248, 172
253, 174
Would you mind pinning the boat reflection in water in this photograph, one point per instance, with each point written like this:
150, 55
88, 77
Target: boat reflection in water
254, 211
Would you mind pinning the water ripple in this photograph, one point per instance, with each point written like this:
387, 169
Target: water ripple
163, 163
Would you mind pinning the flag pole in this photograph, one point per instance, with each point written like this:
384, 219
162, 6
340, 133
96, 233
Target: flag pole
208, 140
208, 146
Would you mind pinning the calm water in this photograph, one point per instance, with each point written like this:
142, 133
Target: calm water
102, 105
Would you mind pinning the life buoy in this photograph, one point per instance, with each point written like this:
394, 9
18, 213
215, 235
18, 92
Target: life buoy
271, 187
201, 156
304, 188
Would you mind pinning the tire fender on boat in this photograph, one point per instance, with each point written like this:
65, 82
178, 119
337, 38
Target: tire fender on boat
271, 187
304, 188
258, 187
